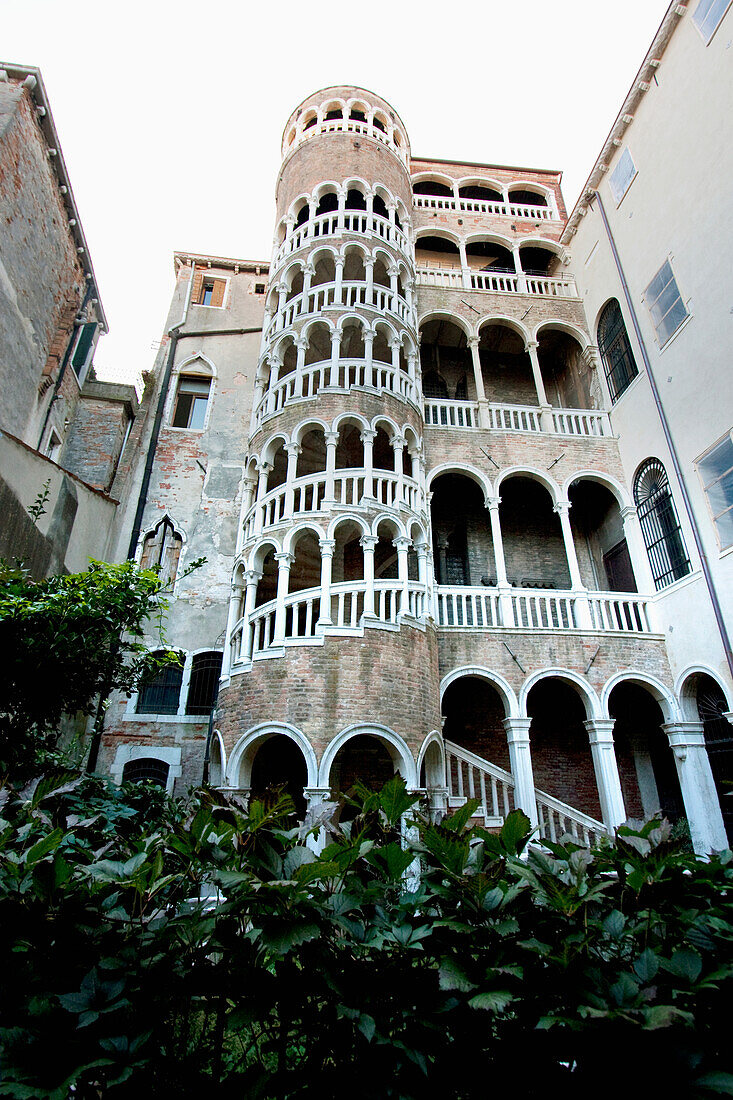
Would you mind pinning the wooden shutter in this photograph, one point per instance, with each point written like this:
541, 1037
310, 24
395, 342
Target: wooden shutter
198, 279
84, 343
217, 296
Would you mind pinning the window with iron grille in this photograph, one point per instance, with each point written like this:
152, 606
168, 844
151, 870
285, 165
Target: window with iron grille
660, 526
613, 344
716, 471
160, 693
204, 683
147, 767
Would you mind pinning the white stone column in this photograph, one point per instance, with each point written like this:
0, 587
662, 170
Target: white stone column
398, 445
284, 561
369, 270
338, 280
637, 551
580, 592
317, 799
327, 548
402, 544
368, 345
394, 347
301, 344
335, 353
251, 580
545, 407
341, 207
292, 450
423, 575
308, 273
465, 271
478, 381
502, 583
263, 469
367, 437
233, 616
521, 279
275, 365
368, 542
332, 439
600, 735
698, 786
520, 757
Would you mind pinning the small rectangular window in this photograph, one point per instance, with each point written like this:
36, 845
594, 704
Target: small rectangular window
708, 16
622, 176
83, 350
53, 447
716, 471
211, 292
259, 288
664, 303
191, 402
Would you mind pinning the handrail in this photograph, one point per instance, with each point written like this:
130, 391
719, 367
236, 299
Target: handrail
486, 607
335, 223
441, 413
346, 295
484, 206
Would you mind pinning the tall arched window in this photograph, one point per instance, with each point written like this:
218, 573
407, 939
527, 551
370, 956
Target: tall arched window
659, 524
615, 349
162, 548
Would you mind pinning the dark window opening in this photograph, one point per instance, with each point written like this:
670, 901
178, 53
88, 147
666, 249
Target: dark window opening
334, 114
146, 768
613, 344
432, 187
357, 116
659, 524
527, 198
483, 194
204, 684
379, 125
259, 288
160, 693
191, 402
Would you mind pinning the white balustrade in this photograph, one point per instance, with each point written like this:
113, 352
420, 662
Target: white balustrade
303, 611
496, 282
514, 418
473, 608
309, 494
353, 293
483, 206
351, 373
580, 422
470, 776
334, 224
348, 126
452, 414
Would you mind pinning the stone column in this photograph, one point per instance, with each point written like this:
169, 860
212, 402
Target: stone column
341, 207
402, 545
506, 608
327, 549
338, 280
368, 542
251, 580
233, 616
517, 735
292, 450
367, 437
422, 574
478, 380
600, 735
284, 561
580, 592
637, 551
301, 344
546, 421
308, 273
521, 279
317, 799
698, 786
398, 445
369, 269
394, 347
465, 271
263, 469
272, 382
335, 353
332, 439
368, 344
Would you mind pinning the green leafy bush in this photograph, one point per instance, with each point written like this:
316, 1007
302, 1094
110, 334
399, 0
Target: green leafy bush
157, 949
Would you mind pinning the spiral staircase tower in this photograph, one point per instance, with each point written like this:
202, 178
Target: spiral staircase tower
330, 634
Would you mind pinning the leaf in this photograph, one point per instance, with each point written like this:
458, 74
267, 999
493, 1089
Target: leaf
646, 966
614, 924
685, 964
497, 1000
515, 832
457, 821
394, 799
366, 1026
716, 1081
452, 976
44, 847
391, 859
297, 857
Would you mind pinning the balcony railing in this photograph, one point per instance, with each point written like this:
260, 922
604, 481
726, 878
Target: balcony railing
485, 608
350, 294
516, 418
343, 374
335, 224
309, 494
348, 126
483, 206
497, 282
303, 618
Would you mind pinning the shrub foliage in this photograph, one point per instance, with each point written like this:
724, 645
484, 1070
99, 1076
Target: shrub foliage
155, 949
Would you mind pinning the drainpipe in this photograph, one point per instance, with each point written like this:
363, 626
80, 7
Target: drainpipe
724, 637
65, 362
173, 332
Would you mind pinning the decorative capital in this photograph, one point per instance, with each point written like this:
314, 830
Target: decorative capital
473, 342
284, 559
327, 547
531, 345
492, 503
368, 542
402, 542
331, 437
628, 512
292, 448
368, 435
561, 507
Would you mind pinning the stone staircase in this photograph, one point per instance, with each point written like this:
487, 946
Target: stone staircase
470, 776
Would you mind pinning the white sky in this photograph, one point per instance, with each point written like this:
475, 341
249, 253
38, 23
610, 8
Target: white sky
170, 112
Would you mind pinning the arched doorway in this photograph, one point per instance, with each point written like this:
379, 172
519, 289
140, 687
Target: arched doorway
279, 763
645, 760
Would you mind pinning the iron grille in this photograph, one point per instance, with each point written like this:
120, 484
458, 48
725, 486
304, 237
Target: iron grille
659, 524
160, 694
204, 683
613, 344
147, 767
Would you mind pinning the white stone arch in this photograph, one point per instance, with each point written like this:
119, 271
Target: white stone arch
307, 425
532, 186
481, 181
471, 472
349, 318
383, 323
558, 325
541, 476
356, 183
166, 754
258, 553
395, 745
383, 193
336, 103
217, 760
393, 520
416, 531
381, 420
615, 488
432, 177
353, 418
501, 321
383, 254
587, 693
293, 534
322, 250
447, 315
273, 445
479, 235
301, 200
498, 682
663, 695
432, 743
320, 319
437, 231
683, 689
538, 241
325, 187
355, 246
294, 267
277, 352
241, 758
347, 517
358, 104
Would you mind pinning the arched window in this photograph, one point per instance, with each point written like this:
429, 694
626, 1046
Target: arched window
192, 399
146, 767
204, 683
162, 548
615, 349
160, 692
659, 524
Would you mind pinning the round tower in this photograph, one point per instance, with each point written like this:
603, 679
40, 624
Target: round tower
331, 668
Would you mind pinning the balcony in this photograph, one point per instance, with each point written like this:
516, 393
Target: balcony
464, 415
345, 295
478, 206
496, 282
337, 223
487, 608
